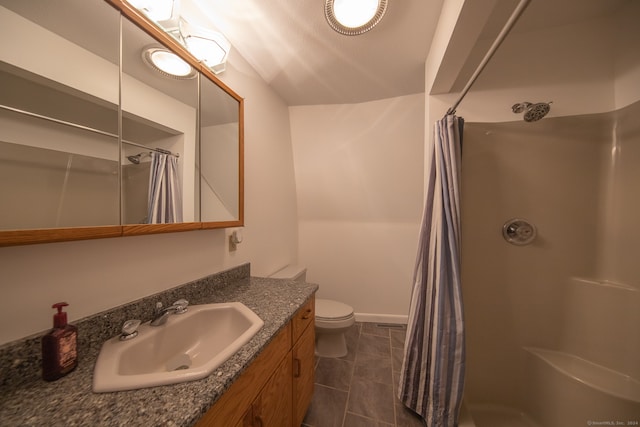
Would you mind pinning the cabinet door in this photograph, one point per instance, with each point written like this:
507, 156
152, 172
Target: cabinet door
273, 407
233, 405
247, 420
303, 373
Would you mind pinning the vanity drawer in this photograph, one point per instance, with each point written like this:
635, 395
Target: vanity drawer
303, 318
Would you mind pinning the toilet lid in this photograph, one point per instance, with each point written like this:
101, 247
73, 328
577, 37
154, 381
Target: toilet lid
332, 310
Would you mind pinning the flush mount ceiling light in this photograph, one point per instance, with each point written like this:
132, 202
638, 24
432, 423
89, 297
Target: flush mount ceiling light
207, 46
354, 17
167, 63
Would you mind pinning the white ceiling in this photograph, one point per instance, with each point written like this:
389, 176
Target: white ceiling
292, 47
539, 16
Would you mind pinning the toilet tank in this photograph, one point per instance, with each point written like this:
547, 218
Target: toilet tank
292, 272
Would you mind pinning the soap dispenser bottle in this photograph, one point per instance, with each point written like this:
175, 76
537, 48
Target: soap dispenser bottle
59, 347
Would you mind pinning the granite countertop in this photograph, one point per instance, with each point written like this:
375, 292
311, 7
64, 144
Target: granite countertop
70, 401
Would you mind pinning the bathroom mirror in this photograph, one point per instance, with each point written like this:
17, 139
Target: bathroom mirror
219, 133
81, 121
59, 90
159, 112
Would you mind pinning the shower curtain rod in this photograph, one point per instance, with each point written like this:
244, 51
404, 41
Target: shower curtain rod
159, 150
492, 50
77, 126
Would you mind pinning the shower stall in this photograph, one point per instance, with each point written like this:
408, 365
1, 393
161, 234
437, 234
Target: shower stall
553, 324
550, 202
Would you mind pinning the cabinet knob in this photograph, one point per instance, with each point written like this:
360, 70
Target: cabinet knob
307, 314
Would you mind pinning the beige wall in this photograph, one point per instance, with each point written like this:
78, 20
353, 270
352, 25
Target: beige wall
548, 174
620, 208
626, 64
576, 287
359, 184
607, 317
96, 275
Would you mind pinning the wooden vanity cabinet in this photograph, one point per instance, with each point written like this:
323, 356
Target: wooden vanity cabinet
272, 408
276, 389
303, 353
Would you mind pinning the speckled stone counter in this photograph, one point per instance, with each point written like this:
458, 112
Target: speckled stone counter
26, 400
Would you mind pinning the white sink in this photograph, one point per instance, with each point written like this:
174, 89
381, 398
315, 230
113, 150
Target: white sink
187, 347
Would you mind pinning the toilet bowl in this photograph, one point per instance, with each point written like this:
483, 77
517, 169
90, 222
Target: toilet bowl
332, 320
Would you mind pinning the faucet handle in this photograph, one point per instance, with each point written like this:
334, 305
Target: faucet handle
129, 329
181, 306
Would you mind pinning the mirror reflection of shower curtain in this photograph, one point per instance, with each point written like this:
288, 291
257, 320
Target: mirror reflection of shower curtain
432, 374
165, 197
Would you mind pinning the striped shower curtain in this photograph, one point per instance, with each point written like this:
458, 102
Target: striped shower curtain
165, 197
432, 376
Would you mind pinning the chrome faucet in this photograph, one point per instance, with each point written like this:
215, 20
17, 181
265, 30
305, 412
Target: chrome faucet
162, 314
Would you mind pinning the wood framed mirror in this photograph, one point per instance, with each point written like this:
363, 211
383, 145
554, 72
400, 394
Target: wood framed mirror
83, 118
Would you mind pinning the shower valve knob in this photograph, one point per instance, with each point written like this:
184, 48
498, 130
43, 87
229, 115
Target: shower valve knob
519, 232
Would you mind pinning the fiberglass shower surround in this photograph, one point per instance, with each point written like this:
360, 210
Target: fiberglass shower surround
552, 327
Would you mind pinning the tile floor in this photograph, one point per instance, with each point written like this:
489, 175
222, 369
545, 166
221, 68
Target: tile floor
358, 390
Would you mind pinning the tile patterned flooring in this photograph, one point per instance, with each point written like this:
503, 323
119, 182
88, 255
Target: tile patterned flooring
359, 389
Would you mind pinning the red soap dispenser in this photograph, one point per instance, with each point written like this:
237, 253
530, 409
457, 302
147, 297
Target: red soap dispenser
59, 347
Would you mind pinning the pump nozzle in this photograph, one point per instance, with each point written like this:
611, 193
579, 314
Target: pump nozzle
60, 318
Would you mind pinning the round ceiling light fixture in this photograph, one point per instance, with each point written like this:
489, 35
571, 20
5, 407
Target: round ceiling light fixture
167, 63
354, 17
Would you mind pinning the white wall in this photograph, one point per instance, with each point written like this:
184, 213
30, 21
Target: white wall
99, 79
359, 184
99, 274
219, 192
570, 65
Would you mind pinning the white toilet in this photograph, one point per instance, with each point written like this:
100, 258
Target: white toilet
332, 320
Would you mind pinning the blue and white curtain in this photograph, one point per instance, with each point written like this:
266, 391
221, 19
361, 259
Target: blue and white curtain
165, 196
432, 376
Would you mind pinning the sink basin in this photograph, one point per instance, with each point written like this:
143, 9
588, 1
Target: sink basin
187, 347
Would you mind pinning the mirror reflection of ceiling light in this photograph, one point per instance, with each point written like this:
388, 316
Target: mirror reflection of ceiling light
167, 63
354, 17
209, 47
158, 10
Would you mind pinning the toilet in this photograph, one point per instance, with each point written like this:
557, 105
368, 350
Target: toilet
332, 320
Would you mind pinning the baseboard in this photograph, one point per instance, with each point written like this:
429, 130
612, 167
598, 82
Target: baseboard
382, 318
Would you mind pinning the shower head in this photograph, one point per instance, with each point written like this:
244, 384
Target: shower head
135, 159
532, 112
537, 111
